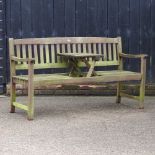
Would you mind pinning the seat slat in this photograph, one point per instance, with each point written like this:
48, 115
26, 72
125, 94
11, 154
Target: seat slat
107, 76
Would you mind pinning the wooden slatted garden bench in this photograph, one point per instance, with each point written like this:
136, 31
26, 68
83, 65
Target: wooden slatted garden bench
47, 53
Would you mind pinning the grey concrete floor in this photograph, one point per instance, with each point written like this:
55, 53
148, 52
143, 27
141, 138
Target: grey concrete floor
77, 125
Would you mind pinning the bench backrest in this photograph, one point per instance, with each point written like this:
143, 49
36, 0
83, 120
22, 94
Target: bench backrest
45, 50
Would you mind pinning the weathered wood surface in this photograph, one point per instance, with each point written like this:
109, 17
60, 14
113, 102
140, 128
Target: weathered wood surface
65, 40
74, 59
80, 55
43, 53
103, 76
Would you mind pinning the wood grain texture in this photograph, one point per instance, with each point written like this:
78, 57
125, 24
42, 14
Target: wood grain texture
86, 51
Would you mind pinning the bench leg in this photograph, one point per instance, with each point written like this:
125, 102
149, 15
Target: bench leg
142, 83
30, 100
13, 96
30, 93
142, 94
118, 97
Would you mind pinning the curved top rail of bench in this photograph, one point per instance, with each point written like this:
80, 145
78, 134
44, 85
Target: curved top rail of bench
66, 40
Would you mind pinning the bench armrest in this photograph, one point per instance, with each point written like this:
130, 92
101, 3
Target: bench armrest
32, 60
133, 56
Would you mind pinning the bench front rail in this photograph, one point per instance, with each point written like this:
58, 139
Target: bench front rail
42, 53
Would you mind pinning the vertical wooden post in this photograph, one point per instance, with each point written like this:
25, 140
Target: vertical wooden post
12, 89
120, 67
142, 83
12, 73
30, 91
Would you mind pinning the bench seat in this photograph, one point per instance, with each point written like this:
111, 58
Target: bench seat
103, 76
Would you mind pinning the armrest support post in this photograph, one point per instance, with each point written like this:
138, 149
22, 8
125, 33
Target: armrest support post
120, 67
143, 65
12, 68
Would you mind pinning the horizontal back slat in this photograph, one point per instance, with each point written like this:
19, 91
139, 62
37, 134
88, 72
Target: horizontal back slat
63, 65
66, 40
45, 50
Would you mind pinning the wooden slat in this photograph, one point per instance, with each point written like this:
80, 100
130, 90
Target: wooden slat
105, 52
36, 54
63, 48
65, 40
11, 47
68, 48
114, 52
24, 52
89, 51
100, 50
30, 51
41, 54
21, 106
84, 48
18, 51
74, 48
53, 54
89, 48
43, 66
109, 52
129, 96
58, 51
63, 65
114, 74
79, 55
79, 48
94, 49
47, 53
